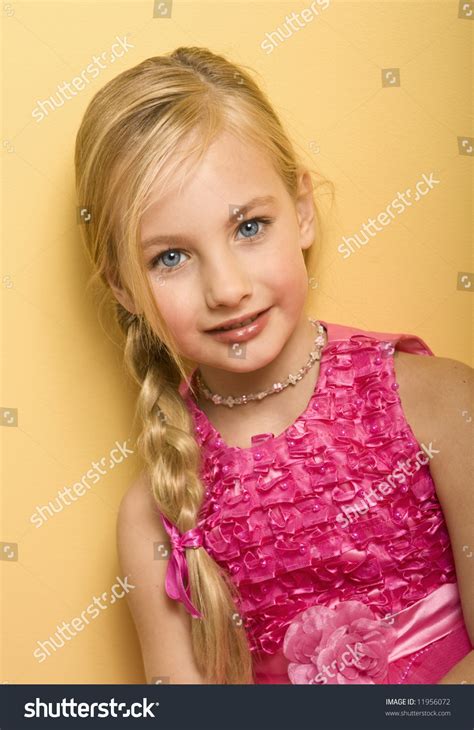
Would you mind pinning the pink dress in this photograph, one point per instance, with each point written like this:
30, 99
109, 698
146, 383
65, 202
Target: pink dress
341, 556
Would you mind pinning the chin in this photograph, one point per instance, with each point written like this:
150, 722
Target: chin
245, 364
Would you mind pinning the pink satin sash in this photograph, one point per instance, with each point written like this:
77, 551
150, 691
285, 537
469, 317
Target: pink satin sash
429, 619
425, 621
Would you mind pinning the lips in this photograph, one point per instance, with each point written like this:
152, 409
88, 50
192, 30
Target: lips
238, 323
239, 334
236, 326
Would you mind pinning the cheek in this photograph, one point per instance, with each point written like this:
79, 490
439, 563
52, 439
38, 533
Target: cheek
286, 276
176, 309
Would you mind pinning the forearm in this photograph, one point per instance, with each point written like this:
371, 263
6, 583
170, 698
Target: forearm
462, 672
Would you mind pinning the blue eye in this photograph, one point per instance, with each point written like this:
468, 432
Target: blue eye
253, 223
250, 226
173, 254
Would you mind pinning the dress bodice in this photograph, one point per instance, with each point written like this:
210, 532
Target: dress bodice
340, 506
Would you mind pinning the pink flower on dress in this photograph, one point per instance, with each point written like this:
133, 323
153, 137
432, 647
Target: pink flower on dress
347, 644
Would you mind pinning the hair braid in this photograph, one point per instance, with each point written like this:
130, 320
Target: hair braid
172, 455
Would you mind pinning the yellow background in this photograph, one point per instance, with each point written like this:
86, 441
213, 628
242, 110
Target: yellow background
64, 374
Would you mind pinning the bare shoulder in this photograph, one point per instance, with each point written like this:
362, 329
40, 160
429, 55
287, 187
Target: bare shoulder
436, 394
139, 528
138, 511
162, 624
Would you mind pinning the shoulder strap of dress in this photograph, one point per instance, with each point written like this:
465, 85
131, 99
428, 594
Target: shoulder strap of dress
401, 341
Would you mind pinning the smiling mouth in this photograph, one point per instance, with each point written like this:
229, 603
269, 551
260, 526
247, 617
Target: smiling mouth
237, 326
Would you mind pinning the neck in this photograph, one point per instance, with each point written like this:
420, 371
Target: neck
290, 359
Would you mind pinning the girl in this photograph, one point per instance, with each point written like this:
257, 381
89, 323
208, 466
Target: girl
287, 527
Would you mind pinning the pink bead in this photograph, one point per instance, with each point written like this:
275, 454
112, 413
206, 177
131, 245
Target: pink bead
395, 386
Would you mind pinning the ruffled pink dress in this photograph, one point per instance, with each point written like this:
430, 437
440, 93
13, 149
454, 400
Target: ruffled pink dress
332, 530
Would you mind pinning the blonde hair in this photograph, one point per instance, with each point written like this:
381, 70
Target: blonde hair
140, 128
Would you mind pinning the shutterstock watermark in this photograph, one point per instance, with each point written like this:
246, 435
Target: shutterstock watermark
43, 513
65, 633
353, 511
293, 23
70, 707
68, 90
399, 205
348, 658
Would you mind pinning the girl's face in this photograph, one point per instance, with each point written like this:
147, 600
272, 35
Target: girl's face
220, 256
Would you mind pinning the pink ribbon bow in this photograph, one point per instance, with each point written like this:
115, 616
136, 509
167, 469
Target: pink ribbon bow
176, 582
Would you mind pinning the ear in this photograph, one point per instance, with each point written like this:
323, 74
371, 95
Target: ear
120, 293
305, 209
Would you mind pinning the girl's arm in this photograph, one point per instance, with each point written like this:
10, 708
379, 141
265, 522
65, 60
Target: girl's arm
437, 397
163, 625
453, 476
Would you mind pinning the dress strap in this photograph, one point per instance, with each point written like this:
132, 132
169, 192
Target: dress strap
401, 341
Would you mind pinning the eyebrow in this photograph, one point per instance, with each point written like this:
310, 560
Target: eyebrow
239, 211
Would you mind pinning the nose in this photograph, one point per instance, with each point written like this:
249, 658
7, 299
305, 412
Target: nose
226, 280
